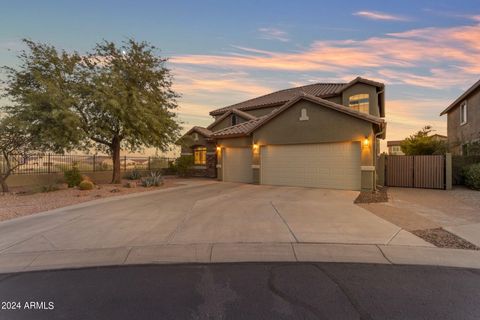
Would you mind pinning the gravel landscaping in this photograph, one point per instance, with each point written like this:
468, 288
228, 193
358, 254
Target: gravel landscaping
373, 197
444, 239
19, 204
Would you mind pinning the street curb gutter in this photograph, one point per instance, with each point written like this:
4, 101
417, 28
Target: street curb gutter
239, 252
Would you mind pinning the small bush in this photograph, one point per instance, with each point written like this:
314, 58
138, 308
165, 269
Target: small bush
85, 185
73, 177
154, 180
472, 176
184, 164
133, 175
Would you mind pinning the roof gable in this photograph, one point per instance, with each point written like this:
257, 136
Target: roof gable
247, 128
239, 113
475, 86
278, 98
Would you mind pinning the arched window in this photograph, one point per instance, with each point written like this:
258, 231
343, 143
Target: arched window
200, 155
359, 102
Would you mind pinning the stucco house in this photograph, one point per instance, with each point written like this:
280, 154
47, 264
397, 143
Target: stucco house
463, 120
320, 135
394, 148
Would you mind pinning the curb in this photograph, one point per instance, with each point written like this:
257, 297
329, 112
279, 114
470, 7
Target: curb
239, 252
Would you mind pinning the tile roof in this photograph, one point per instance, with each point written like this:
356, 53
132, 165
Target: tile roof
320, 90
248, 127
203, 131
242, 114
282, 96
238, 129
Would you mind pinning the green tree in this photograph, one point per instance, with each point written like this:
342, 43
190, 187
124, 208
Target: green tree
16, 145
113, 98
421, 143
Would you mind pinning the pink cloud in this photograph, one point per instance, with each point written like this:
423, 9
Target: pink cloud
375, 15
417, 56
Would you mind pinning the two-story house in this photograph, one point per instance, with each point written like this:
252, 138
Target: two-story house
320, 135
463, 120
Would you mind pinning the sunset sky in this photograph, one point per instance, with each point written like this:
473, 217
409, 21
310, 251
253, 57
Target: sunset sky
426, 52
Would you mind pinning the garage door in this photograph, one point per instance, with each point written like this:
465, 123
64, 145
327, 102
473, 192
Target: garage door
237, 165
326, 165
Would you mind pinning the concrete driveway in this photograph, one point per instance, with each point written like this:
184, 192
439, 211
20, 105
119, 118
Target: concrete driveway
206, 213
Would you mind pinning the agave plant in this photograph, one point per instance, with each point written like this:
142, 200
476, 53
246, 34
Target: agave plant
155, 179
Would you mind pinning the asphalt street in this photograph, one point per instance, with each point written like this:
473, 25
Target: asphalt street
243, 291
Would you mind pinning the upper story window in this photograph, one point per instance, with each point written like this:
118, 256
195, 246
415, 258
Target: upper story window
463, 112
200, 155
359, 102
234, 119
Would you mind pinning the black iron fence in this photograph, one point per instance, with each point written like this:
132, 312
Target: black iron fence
57, 163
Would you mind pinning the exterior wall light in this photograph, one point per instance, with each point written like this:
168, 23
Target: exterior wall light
219, 148
366, 143
255, 146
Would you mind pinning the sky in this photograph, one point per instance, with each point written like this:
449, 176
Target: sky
223, 52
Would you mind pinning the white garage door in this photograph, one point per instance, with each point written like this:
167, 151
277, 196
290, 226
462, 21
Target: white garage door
326, 165
237, 165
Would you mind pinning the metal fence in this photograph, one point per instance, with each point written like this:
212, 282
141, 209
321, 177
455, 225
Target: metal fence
57, 163
416, 171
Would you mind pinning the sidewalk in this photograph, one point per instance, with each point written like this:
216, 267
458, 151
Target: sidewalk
238, 252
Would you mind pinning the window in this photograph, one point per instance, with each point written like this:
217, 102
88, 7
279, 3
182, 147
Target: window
200, 155
359, 102
463, 112
234, 119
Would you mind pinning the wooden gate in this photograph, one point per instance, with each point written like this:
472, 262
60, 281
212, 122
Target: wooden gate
415, 171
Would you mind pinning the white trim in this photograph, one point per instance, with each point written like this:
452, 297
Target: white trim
367, 168
463, 112
255, 166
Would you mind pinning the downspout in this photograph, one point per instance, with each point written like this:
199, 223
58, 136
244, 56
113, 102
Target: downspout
375, 136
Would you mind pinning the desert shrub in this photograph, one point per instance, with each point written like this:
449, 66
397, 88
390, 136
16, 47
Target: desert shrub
184, 164
85, 185
155, 179
73, 177
471, 175
133, 175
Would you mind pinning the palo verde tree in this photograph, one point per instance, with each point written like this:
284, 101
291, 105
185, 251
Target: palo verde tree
16, 145
115, 97
421, 143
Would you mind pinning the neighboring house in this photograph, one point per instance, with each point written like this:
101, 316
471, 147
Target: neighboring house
394, 148
319, 135
463, 120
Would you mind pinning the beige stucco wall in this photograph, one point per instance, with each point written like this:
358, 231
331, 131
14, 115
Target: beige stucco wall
363, 88
324, 125
468, 132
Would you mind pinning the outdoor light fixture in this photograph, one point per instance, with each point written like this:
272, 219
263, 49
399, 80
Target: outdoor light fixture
366, 142
255, 146
218, 149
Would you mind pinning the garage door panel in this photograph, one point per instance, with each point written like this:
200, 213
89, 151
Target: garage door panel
328, 165
237, 165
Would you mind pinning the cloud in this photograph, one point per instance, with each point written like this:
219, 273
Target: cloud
375, 15
273, 34
427, 57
